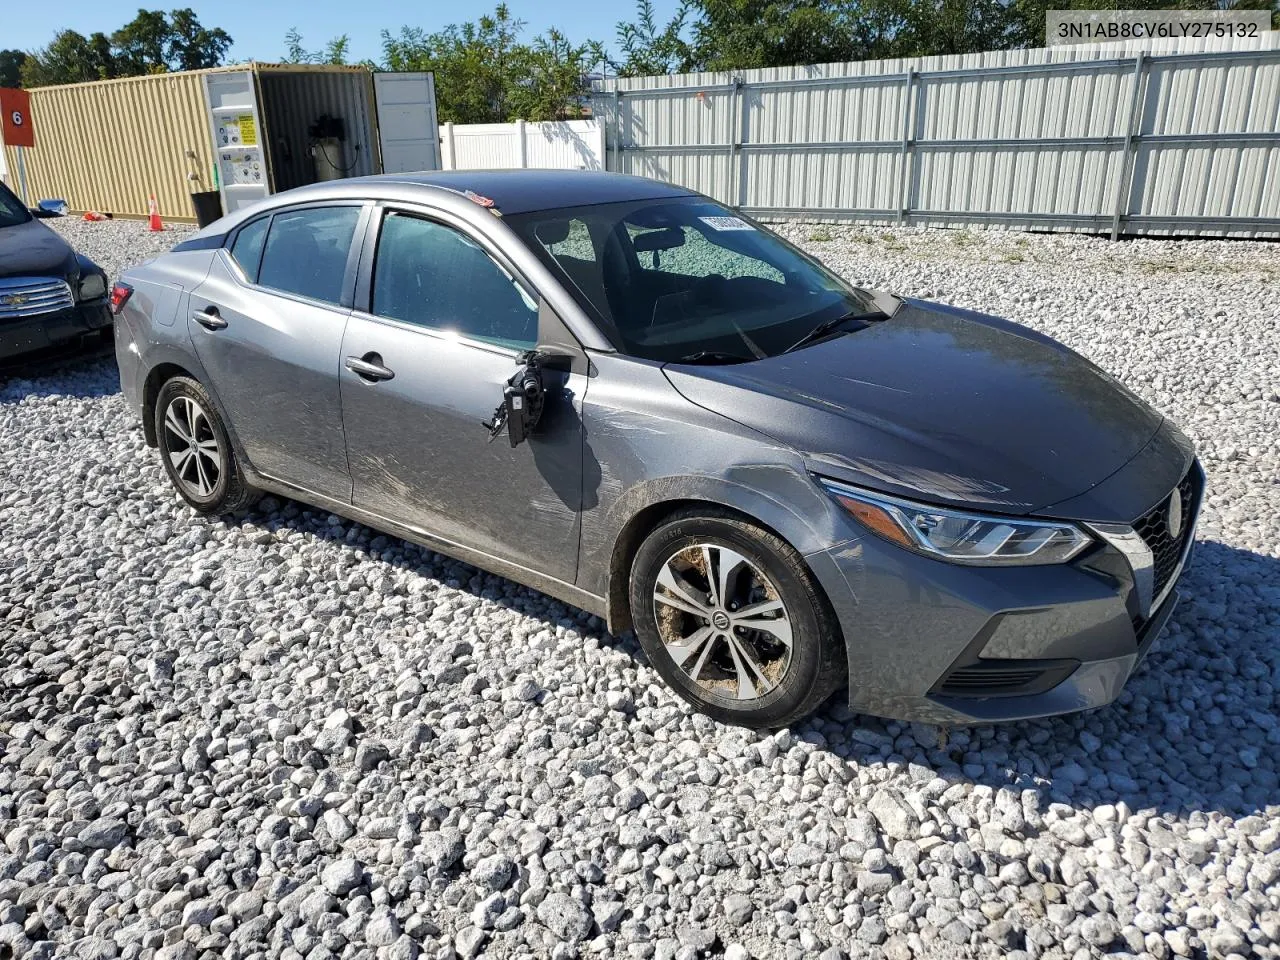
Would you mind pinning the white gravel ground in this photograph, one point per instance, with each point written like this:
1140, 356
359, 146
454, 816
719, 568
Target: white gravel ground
294, 737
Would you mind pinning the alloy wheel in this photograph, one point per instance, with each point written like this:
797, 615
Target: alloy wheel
192, 447
723, 622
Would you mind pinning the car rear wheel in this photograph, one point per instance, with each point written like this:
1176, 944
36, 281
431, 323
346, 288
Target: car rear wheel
730, 616
196, 451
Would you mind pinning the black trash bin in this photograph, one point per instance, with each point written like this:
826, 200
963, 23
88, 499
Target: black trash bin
208, 206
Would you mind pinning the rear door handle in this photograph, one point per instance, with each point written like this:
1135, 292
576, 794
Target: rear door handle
209, 318
369, 367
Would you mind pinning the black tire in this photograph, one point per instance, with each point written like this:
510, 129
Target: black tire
219, 491
815, 666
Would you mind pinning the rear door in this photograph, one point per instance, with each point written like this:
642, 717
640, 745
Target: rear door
267, 325
407, 129
424, 364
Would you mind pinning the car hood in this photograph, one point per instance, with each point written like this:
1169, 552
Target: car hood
33, 250
941, 404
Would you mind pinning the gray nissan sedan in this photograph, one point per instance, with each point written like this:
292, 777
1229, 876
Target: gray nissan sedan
623, 394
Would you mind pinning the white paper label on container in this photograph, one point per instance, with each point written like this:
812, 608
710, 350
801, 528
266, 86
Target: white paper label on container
726, 223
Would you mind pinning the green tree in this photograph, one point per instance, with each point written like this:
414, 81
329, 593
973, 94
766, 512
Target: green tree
140, 45
552, 74
192, 46
476, 65
11, 62
934, 27
648, 49
334, 52
741, 34
152, 42
70, 57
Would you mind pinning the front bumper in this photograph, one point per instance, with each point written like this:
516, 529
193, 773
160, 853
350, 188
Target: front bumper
25, 334
942, 643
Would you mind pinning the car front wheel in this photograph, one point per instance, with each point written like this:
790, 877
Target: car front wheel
730, 616
196, 451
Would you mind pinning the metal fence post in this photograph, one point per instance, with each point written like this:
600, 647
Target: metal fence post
522, 146
909, 112
450, 158
617, 128
1124, 186
22, 174
737, 138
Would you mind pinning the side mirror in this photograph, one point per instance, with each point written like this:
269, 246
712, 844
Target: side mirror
46, 209
523, 400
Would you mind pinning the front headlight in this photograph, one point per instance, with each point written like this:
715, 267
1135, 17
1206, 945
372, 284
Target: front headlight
957, 535
93, 286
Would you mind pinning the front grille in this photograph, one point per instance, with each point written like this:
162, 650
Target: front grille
31, 296
1153, 527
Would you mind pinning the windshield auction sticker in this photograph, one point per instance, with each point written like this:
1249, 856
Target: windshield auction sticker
726, 223
1065, 27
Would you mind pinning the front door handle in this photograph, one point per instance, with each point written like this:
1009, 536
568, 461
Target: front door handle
209, 318
369, 367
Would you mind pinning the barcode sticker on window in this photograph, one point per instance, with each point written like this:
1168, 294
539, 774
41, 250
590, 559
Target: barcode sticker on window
726, 223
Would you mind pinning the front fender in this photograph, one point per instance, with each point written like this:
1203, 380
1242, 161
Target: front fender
648, 451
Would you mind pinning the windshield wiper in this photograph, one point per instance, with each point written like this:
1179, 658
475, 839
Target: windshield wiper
715, 356
827, 326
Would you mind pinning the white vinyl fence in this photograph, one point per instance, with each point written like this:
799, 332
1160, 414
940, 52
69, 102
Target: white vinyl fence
1173, 138
563, 145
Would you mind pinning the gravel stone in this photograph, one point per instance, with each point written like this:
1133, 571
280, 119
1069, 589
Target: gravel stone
383, 929
565, 917
738, 909
469, 941
894, 816
342, 876
444, 848
493, 872
104, 834
285, 734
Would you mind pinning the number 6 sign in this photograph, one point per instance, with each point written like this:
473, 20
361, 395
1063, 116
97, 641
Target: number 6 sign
15, 109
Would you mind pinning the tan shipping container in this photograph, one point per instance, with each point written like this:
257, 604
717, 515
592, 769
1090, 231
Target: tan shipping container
109, 145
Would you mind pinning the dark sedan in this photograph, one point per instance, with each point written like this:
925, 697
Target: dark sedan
49, 294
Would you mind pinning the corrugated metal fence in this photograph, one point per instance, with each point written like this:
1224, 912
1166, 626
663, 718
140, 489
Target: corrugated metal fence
563, 145
1177, 138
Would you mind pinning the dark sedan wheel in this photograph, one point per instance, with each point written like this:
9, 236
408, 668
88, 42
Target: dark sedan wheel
196, 451
733, 620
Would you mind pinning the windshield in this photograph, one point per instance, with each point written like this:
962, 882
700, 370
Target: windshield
687, 279
12, 212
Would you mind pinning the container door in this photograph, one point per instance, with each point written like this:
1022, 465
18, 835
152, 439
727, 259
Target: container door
407, 128
240, 160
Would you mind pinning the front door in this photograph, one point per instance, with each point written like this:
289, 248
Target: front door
423, 369
267, 325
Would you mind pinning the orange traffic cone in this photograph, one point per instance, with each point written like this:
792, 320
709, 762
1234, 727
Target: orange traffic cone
153, 215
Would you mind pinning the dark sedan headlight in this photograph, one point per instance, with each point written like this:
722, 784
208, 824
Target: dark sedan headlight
959, 536
93, 286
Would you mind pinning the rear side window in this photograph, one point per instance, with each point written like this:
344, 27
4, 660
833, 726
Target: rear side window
432, 275
247, 249
306, 252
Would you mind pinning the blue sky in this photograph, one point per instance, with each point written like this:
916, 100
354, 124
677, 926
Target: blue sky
258, 26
